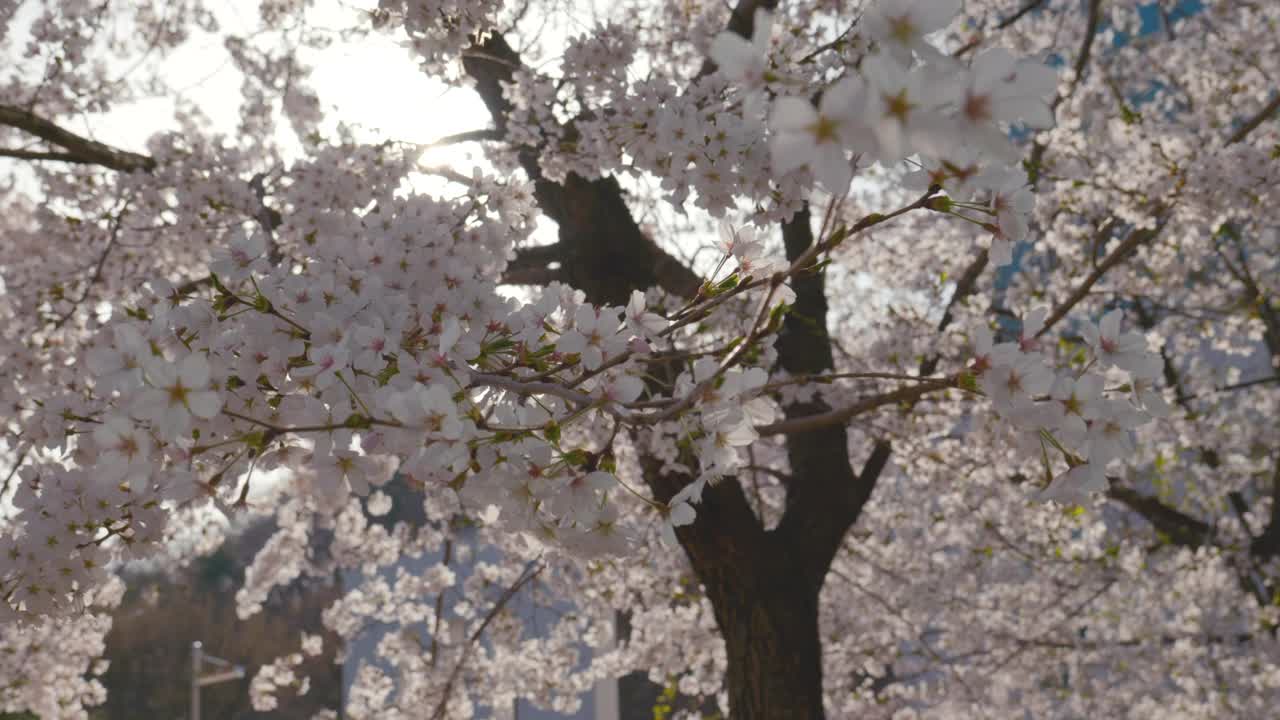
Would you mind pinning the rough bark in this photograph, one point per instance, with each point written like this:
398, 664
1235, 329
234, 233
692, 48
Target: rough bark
770, 628
765, 606
764, 586
825, 497
601, 249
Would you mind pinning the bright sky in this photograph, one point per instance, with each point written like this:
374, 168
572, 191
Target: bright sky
370, 83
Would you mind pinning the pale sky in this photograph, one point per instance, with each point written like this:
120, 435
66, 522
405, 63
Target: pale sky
371, 83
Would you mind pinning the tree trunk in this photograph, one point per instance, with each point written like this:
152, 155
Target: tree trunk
769, 622
763, 588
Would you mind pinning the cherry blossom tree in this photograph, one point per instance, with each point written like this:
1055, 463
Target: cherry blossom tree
900, 358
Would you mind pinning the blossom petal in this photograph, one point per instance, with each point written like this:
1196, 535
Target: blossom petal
204, 403
195, 371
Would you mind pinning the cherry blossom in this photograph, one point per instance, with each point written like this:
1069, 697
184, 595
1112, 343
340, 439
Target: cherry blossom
176, 394
848, 401
1125, 350
1002, 89
745, 62
903, 108
904, 26
1076, 486
817, 137
648, 324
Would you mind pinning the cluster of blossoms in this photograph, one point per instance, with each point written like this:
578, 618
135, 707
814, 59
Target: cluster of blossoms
272, 677
361, 333
1072, 412
438, 32
907, 101
389, 350
743, 132
53, 666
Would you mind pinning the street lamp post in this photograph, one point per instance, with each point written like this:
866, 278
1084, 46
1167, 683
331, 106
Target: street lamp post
198, 659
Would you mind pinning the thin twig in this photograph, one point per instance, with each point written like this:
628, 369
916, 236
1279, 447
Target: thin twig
1254, 122
1130, 244
977, 40
114, 236
839, 415
531, 571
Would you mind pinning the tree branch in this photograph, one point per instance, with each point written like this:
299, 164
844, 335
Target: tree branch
1138, 237
1180, 528
530, 266
1094, 20
977, 40
825, 498
1122, 252
1086, 50
809, 423
79, 149
530, 572
1268, 543
1254, 122
468, 136
602, 249
112, 237
41, 155
1237, 386
858, 490
965, 287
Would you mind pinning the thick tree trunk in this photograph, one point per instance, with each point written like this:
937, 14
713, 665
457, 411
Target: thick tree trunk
764, 591
770, 626
765, 596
